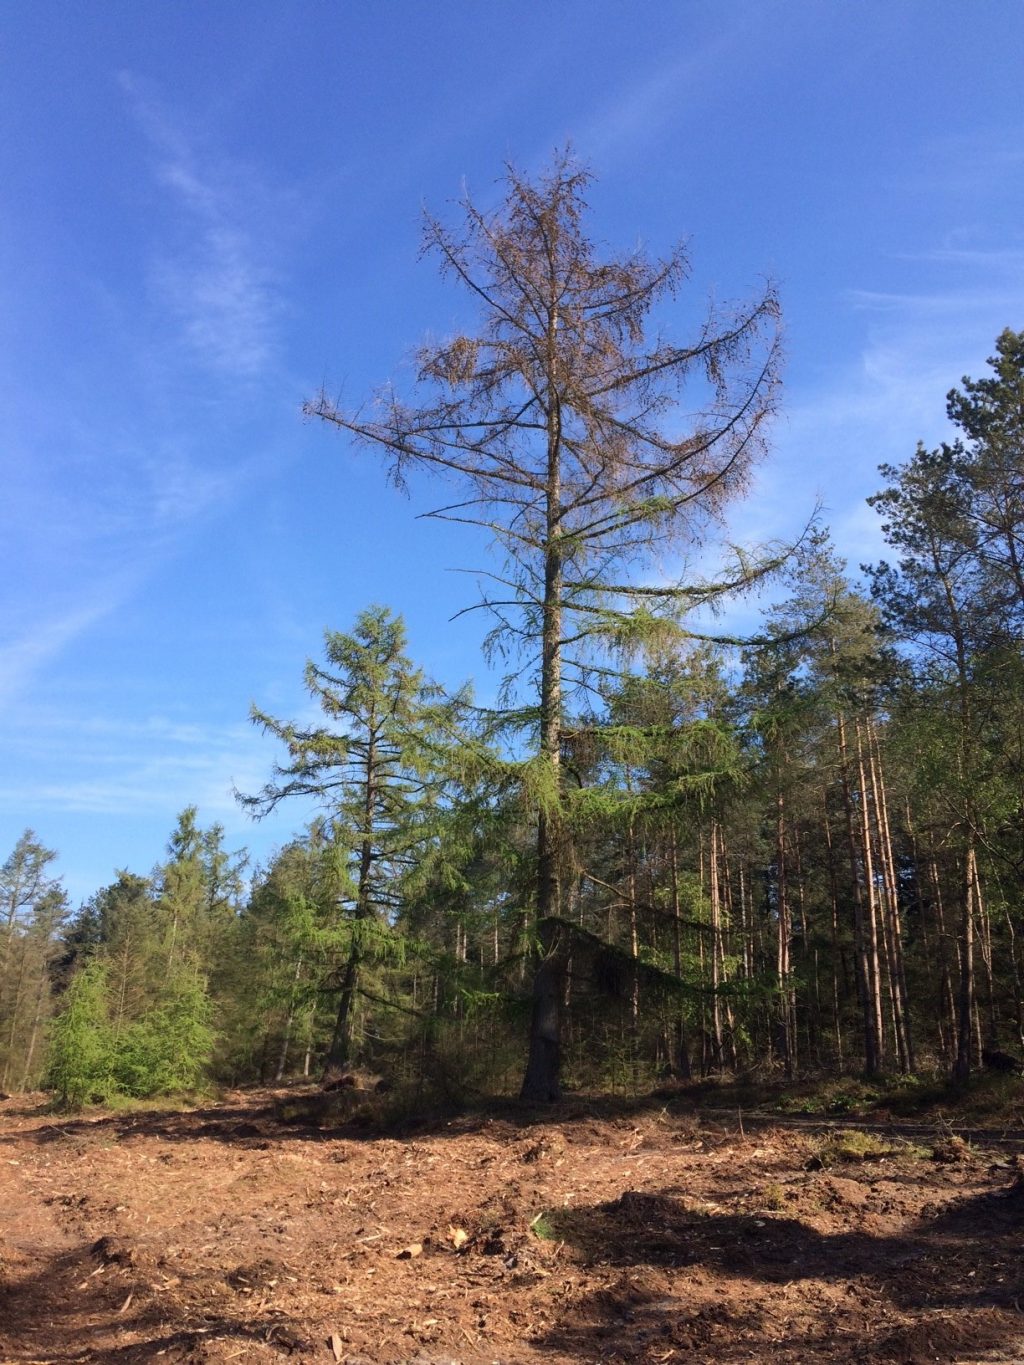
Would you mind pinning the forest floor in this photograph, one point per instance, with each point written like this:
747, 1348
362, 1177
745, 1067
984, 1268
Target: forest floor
252, 1230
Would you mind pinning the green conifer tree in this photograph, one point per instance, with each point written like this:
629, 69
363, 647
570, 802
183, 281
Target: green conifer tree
377, 770
81, 1057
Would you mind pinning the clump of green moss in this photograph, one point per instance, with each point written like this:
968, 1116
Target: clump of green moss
543, 1227
852, 1145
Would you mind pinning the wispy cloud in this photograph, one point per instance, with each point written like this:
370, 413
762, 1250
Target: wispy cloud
25, 652
127, 767
123, 775
970, 164
217, 283
916, 346
104, 486
223, 301
178, 489
1007, 259
640, 110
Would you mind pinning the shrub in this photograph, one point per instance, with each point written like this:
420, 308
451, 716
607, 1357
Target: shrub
166, 1050
81, 1059
169, 1048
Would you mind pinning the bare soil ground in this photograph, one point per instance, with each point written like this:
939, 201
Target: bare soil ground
587, 1235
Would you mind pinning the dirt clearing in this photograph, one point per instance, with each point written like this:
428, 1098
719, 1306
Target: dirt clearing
231, 1234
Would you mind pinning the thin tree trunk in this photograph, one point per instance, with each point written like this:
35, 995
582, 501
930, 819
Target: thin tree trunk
340, 1051
728, 921
307, 1060
541, 1083
872, 1040
1018, 992
898, 978
705, 1050
838, 956
37, 1018
786, 1042
682, 1051
984, 934
634, 940
965, 1003
871, 900
282, 1060
716, 949
948, 1001
747, 923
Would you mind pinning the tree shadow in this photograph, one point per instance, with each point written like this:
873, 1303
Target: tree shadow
955, 1278
59, 1308
311, 1115
306, 1113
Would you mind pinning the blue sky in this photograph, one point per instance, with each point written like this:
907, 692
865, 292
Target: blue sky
211, 210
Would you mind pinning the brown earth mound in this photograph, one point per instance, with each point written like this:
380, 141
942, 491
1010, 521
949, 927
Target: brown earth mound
236, 1234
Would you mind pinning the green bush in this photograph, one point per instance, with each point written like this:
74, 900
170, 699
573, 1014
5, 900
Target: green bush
81, 1058
165, 1051
169, 1048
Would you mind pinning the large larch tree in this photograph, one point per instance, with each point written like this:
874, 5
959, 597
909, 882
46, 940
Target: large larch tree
580, 442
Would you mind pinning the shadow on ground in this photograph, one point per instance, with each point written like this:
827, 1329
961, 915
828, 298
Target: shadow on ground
958, 1275
59, 1309
306, 1113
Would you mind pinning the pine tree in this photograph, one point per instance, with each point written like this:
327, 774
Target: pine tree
33, 907
953, 599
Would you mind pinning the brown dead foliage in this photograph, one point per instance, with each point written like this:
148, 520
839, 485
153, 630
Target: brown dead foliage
238, 1234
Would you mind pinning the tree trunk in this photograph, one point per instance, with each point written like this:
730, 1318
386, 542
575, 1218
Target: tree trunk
340, 1051
785, 1040
965, 1003
37, 1019
984, 935
871, 903
838, 956
339, 1054
634, 946
542, 1084
947, 1002
894, 935
716, 949
872, 1039
15, 1018
726, 939
282, 1060
682, 1051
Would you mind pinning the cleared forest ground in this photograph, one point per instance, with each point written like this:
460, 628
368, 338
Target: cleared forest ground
590, 1234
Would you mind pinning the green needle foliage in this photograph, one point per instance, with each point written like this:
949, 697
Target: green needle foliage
378, 772
81, 1042
165, 1051
168, 1050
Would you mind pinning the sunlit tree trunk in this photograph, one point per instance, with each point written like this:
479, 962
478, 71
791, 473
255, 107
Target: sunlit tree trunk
894, 932
716, 949
965, 1001
541, 1082
682, 1051
862, 958
838, 956
785, 1040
